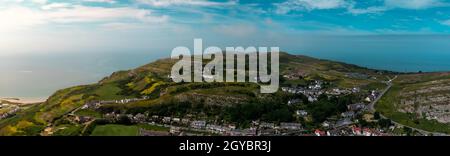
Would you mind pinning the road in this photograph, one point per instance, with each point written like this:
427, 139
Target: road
371, 108
372, 104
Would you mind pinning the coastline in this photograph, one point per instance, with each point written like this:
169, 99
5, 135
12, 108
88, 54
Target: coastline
24, 100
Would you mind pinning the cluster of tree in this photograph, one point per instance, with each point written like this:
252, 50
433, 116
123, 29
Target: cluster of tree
265, 111
273, 109
193, 86
326, 107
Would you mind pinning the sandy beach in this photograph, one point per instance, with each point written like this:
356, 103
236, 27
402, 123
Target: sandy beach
25, 100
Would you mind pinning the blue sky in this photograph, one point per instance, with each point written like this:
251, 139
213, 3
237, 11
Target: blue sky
45, 26
82, 41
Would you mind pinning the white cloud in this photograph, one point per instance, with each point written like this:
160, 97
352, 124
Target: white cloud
56, 6
101, 1
447, 22
309, 5
121, 26
42, 2
19, 17
165, 3
80, 13
369, 10
350, 5
414, 4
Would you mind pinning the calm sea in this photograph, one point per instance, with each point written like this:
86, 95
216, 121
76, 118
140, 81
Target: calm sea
33, 76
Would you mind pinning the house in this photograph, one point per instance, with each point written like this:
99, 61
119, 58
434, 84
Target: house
311, 99
318, 132
293, 101
166, 119
367, 99
356, 107
83, 119
199, 124
326, 124
290, 126
343, 122
3, 105
244, 132
301, 113
110, 116
130, 116
174, 130
216, 128
356, 131
176, 120
349, 114
232, 126
185, 121
139, 117
367, 132
266, 125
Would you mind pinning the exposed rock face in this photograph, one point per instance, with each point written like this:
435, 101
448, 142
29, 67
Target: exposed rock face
430, 101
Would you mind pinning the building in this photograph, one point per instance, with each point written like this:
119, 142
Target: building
294, 101
199, 124
266, 125
139, 118
356, 107
349, 114
301, 113
343, 122
176, 120
290, 126
318, 132
166, 119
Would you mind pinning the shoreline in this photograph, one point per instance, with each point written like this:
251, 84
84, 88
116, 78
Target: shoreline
24, 100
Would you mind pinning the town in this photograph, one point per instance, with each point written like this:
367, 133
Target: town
356, 120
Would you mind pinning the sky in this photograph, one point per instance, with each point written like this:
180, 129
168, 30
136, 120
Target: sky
63, 26
46, 45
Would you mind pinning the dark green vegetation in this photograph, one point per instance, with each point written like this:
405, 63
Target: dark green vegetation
115, 130
238, 103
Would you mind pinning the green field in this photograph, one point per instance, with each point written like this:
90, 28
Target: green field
109, 92
115, 130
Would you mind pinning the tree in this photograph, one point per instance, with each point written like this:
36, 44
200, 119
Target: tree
376, 115
407, 130
384, 122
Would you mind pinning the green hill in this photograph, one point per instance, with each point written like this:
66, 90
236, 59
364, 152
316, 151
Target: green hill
207, 100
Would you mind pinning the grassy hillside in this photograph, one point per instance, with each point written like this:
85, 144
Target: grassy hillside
152, 81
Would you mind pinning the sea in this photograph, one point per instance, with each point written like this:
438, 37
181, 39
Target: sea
34, 77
